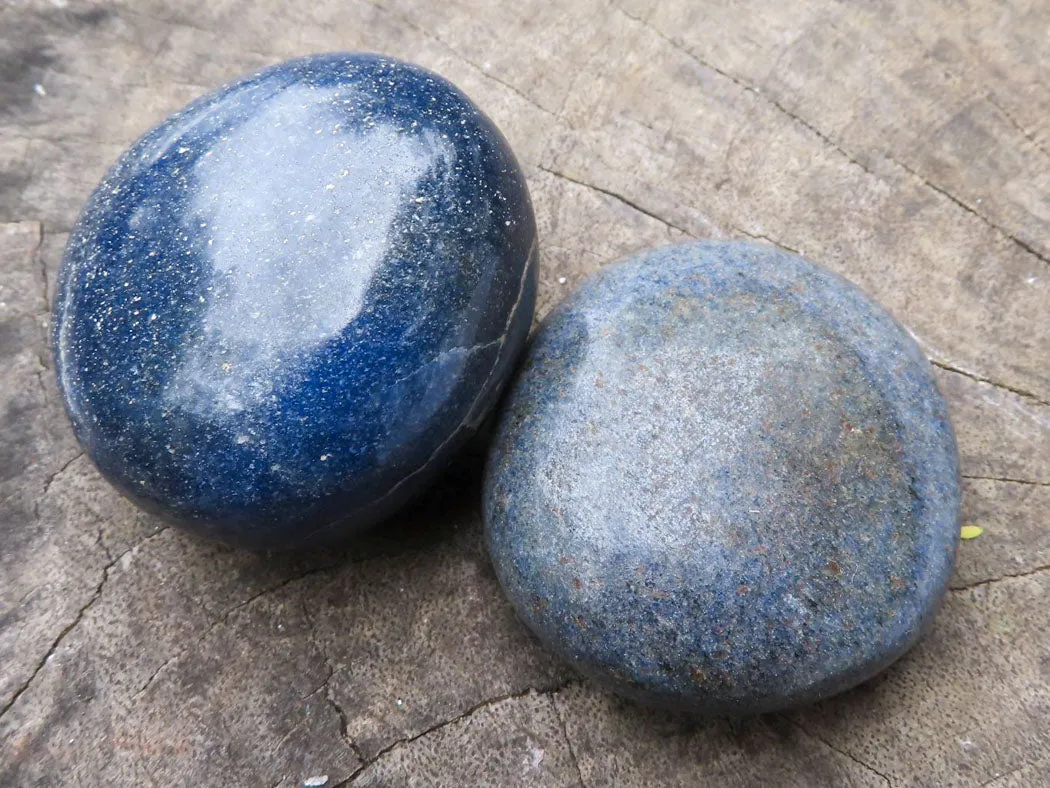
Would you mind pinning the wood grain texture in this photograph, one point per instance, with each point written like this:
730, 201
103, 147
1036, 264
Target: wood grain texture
903, 144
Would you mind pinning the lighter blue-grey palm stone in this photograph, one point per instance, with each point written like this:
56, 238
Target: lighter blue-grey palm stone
723, 482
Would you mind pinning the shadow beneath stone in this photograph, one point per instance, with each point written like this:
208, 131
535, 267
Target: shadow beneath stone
834, 709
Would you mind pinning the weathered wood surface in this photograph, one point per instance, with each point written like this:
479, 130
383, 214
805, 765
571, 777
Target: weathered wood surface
904, 144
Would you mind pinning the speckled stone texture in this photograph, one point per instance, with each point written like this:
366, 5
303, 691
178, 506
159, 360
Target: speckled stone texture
724, 482
900, 144
286, 306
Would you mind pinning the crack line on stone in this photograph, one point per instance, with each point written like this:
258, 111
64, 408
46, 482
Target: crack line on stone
840, 751
314, 570
470, 419
615, 196
153, 676
47, 483
96, 594
39, 375
981, 379
284, 739
467, 352
101, 542
748, 87
1005, 479
1018, 576
568, 740
321, 686
344, 728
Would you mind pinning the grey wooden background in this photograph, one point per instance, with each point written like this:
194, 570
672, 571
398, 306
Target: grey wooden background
904, 144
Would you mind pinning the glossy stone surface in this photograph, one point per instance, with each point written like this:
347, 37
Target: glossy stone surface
286, 306
724, 482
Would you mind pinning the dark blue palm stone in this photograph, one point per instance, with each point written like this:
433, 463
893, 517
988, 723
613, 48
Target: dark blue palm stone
723, 482
286, 306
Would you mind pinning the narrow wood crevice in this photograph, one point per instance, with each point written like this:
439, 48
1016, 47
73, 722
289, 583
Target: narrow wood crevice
1002, 578
821, 740
617, 197
747, 86
451, 721
981, 379
1006, 480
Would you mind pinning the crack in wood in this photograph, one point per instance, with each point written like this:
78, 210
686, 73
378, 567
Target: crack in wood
750, 88
445, 45
405, 740
330, 698
840, 751
1023, 131
568, 739
223, 620
54, 476
998, 228
1005, 479
767, 239
992, 580
615, 196
95, 596
981, 379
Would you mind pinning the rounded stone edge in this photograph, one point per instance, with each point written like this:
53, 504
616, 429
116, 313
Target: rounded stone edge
518, 323
833, 685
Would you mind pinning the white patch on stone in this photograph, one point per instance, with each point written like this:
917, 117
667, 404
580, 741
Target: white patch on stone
283, 286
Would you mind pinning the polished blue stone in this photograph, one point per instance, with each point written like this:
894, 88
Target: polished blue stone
285, 307
723, 482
